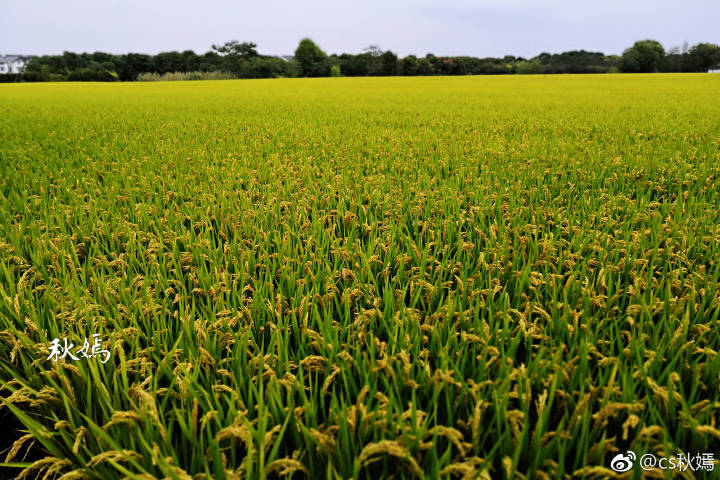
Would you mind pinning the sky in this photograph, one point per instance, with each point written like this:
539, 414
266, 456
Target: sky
442, 27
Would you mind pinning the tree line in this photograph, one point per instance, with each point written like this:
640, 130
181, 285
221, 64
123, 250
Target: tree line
242, 60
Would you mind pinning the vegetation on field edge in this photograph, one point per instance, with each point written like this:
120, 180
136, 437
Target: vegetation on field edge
241, 60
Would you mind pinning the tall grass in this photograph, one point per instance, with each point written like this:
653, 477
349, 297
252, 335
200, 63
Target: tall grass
177, 76
510, 277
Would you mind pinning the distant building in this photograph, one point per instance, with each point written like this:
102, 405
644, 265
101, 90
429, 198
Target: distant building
287, 58
716, 70
14, 63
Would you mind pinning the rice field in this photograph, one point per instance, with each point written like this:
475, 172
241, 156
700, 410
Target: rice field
466, 277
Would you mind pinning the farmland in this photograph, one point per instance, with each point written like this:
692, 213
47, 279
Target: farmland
469, 277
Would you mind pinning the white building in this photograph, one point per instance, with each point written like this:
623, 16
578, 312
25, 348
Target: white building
14, 63
717, 70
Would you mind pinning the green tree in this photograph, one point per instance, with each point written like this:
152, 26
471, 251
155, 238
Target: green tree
264, 67
388, 63
644, 56
235, 55
133, 64
355, 65
409, 65
169, 62
423, 67
237, 49
311, 59
529, 67
703, 56
373, 51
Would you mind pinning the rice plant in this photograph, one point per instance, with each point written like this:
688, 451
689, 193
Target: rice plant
468, 277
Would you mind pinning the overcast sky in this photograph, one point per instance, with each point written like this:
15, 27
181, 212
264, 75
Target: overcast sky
442, 27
